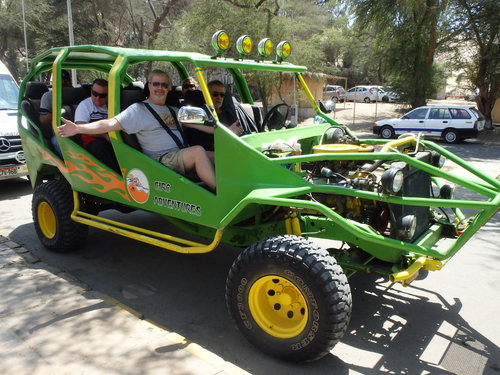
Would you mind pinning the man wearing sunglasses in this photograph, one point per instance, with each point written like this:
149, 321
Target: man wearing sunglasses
165, 146
218, 92
92, 109
188, 84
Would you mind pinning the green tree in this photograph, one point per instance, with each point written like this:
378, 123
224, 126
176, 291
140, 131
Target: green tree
481, 34
408, 35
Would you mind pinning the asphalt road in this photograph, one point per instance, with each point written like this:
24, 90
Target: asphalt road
444, 324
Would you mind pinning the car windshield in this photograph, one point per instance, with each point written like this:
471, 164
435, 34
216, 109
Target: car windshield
8, 92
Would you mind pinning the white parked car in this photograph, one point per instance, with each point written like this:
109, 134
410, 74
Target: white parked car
12, 163
365, 94
451, 123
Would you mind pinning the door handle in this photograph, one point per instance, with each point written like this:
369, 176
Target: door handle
445, 122
421, 121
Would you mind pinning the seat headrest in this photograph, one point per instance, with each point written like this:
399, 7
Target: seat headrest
73, 95
129, 97
35, 89
194, 98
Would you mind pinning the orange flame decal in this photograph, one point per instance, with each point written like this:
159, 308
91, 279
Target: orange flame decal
81, 166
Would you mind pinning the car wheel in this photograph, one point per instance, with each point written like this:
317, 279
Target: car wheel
289, 298
367, 100
451, 136
385, 99
52, 205
387, 132
335, 99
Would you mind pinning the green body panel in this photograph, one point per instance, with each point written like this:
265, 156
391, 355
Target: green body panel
251, 187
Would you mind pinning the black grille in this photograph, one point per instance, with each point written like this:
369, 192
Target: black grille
417, 183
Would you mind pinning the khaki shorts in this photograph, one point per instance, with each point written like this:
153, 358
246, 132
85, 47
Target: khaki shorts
173, 160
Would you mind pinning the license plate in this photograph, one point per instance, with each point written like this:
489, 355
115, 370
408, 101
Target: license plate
13, 171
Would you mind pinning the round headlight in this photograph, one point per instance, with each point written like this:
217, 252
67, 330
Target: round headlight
283, 50
392, 180
244, 45
220, 41
447, 191
265, 47
437, 159
406, 227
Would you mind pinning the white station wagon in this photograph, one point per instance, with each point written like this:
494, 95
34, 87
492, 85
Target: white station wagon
451, 123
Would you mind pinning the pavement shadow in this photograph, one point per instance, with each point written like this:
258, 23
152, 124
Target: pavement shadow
15, 188
401, 324
392, 326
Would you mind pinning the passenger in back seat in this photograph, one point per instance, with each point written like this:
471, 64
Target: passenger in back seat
92, 109
46, 108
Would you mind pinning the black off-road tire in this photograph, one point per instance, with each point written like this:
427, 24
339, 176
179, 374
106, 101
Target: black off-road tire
293, 289
51, 208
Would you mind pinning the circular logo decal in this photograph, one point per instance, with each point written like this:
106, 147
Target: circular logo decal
138, 185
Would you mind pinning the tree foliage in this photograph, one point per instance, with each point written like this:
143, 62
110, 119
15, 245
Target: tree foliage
368, 41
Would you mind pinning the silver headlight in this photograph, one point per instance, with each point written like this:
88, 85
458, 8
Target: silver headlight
392, 180
406, 227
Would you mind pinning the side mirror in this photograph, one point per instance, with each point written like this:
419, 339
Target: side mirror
195, 116
326, 107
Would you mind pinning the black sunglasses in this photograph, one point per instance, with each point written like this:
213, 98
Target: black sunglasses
217, 93
188, 86
98, 94
158, 84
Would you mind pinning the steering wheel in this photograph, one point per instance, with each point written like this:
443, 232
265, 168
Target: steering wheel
276, 117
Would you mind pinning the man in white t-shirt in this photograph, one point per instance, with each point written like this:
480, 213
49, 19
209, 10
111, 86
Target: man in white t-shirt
92, 109
155, 141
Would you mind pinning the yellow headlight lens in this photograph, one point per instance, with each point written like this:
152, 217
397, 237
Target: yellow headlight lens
284, 50
244, 45
265, 47
220, 41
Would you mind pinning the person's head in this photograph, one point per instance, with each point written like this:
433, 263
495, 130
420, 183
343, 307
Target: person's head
188, 84
217, 92
99, 92
65, 79
158, 85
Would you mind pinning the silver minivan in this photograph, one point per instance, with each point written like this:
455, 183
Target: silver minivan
12, 163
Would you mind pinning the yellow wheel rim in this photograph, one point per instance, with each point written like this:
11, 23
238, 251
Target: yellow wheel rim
47, 220
278, 306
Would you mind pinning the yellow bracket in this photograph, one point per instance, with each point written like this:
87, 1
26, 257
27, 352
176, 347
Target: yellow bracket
162, 240
407, 276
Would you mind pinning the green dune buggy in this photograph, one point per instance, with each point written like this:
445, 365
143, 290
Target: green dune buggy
387, 205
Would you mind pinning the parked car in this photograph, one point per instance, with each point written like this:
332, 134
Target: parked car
12, 163
389, 95
365, 94
451, 123
334, 93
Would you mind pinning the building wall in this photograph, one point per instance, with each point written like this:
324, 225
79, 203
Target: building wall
495, 114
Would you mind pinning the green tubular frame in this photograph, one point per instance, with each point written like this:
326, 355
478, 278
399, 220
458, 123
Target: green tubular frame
252, 179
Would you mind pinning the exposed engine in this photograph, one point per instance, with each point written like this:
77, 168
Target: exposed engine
397, 221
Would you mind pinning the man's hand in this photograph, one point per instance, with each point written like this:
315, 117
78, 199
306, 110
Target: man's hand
69, 128
236, 128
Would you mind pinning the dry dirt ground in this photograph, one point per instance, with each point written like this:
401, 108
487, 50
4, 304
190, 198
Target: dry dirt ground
359, 117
